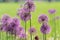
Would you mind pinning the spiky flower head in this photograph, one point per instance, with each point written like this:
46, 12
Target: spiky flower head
45, 28
30, 5
43, 18
24, 14
32, 30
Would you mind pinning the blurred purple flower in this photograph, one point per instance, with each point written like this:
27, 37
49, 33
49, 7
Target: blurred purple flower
32, 30
29, 5
45, 29
51, 11
5, 19
23, 35
22, 10
12, 27
19, 30
25, 17
16, 21
42, 18
24, 14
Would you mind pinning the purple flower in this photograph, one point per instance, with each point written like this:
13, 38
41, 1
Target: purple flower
16, 21
32, 30
42, 18
5, 19
19, 30
29, 5
24, 14
23, 35
25, 17
22, 10
51, 11
12, 27
45, 29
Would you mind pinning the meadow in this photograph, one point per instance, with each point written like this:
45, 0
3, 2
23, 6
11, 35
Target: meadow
41, 8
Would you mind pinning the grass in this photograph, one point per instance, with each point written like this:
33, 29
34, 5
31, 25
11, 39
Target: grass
41, 8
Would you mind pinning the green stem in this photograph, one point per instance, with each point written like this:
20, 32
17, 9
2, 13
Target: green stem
25, 29
55, 28
44, 36
30, 28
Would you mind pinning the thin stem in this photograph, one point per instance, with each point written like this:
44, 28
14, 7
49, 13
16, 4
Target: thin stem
54, 29
15, 35
30, 28
6, 35
0, 35
44, 36
25, 29
0, 29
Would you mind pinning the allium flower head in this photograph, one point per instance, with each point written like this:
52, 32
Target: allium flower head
32, 30
45, 29
51, 11
22, 10
19, 30
42, 18
12, 27
30, 5
23, 35
25, 17
16, 21
5, 19
24, 14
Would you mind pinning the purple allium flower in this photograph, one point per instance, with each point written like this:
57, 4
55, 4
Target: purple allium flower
42, 18
5, 19
29, 5
16, 21
19, 30
11, 27
36, 38
25, 17
23, 35
32, 30
23, 10
45, 29
24, 14
51, 11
